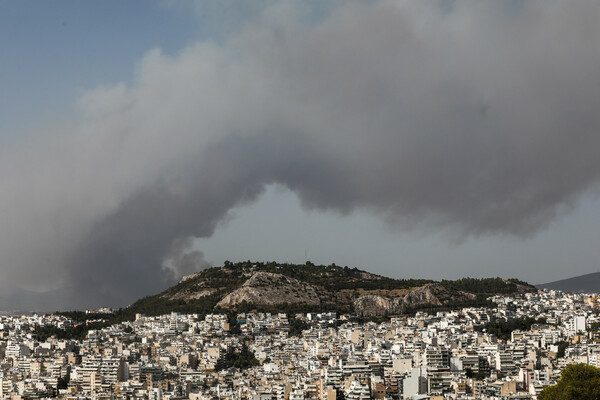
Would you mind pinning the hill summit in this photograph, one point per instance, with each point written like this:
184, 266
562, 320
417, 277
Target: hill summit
275, 287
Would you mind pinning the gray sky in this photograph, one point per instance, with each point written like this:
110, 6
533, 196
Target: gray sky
411, 139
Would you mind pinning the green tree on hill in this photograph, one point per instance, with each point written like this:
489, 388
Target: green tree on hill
63, 381
297, 327
242, 360
577, 382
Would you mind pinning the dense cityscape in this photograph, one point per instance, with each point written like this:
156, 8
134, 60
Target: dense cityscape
450, 149
510, 351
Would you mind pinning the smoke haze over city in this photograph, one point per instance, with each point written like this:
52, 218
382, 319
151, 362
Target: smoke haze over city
420, 139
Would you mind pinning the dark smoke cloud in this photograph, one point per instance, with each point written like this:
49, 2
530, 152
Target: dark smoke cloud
183, 259
478, 117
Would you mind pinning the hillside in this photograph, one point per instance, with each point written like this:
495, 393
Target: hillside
288, 288
291, 288
589, 283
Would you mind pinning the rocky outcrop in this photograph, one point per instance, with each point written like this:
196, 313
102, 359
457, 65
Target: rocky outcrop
188, 277
266, 288
371, 305
429, 294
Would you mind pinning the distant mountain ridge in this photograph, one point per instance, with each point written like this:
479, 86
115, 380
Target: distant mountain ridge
275, 287
588, 283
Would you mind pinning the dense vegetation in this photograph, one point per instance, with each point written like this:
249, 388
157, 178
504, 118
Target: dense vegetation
297, 327
241, 360
593, 327
77, 332
479, 375
503, 329
562, 347
485, 285
158, 305
63, 381
336, 278
577, 382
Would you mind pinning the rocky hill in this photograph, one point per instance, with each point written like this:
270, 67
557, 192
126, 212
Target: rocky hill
291, 288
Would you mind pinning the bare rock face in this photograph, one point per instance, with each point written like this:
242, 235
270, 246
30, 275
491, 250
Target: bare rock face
188, 277
429, 294
374, 305
267, 288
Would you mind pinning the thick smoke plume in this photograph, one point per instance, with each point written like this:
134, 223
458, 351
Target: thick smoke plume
183, 259
478, 116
